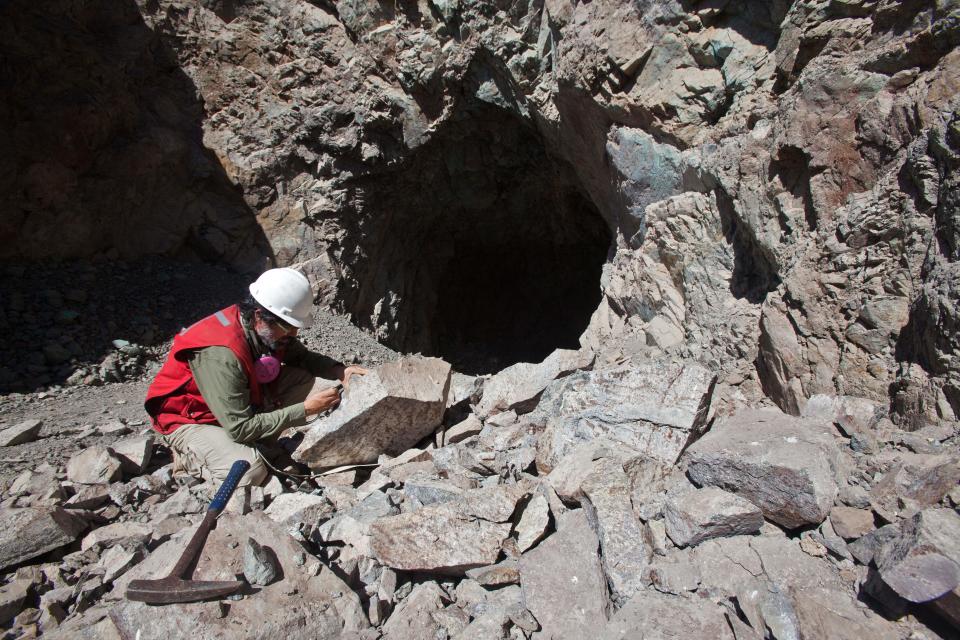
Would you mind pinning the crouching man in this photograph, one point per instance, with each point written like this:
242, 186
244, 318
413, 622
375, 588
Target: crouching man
240, 376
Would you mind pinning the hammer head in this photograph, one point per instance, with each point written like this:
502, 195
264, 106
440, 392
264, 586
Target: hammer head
172, 589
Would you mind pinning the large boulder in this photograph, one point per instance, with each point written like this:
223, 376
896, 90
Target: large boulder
784, 465
307, 601
386, 411
562, 582
518, 387
651, 406
448, 537
30, 532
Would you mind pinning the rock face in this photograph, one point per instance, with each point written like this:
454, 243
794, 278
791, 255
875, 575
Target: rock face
386, 411
784, 465
653, 407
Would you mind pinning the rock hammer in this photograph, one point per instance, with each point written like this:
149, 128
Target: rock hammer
176, 587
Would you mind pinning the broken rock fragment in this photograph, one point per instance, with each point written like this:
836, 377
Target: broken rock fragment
923, 562
654, 407
259, 567
96, 465
563, 583
606, 503
386, 411
20, 433
134, 453
784, 465
695, 516
650, 614
518, 387
29, 532
449, 537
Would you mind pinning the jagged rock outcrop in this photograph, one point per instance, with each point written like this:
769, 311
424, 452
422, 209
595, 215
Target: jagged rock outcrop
768, 190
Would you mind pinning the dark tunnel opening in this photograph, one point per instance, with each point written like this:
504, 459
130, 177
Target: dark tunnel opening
480, 248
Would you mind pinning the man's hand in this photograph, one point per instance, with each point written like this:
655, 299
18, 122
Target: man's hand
352, 370
320, 401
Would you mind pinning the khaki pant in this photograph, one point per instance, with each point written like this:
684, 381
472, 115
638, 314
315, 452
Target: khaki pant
207, 451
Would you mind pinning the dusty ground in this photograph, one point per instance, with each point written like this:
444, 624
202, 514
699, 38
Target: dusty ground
145, 303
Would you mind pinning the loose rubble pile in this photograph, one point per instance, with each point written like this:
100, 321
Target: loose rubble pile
598, 499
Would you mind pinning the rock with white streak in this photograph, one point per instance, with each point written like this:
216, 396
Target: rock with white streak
518, 387
784, 465
923, 562
694, 516
386, 411
30, 532
653, 407
450, 537
134, 453
563, 583
606, 503
96, 465
533, 523
20, 433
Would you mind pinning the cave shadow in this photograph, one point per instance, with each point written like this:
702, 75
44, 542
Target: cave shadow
89, 89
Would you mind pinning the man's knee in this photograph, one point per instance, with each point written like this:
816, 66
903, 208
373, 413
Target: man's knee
255, 475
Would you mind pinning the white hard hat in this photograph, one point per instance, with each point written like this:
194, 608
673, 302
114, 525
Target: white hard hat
286, 293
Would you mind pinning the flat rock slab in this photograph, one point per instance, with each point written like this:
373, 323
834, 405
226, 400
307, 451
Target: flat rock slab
29, 532
656, 616
606, 503
654, 407
20, 433
563, 583
450, 537
710, 512
518, 387
298, 510
850, 523
386, 411
784, 465
923, 562
298, 605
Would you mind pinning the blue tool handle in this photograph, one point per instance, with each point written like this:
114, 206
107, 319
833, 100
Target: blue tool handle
229, 485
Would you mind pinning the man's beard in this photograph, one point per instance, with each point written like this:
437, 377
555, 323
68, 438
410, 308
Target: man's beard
266, 337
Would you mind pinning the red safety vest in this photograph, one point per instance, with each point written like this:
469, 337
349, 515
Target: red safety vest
173, 398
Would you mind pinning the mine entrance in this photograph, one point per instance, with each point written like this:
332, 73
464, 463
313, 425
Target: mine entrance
481, 248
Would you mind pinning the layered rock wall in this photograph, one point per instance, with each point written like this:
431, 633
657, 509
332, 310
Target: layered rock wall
776, 178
